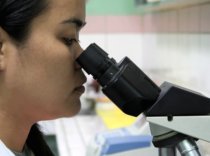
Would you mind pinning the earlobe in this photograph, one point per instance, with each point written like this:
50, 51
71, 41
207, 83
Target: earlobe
2, 62
1, 58
8, 47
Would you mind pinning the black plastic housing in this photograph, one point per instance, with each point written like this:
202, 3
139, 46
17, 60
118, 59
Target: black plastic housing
124, 83
179, 101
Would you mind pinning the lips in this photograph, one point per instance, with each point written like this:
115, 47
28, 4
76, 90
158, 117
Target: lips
80, 89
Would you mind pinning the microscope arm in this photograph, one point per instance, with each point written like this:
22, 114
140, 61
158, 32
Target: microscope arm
181, 110
194, 126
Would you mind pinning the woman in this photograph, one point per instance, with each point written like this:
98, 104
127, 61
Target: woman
39, 78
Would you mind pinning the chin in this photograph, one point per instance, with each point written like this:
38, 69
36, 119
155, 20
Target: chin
73, 109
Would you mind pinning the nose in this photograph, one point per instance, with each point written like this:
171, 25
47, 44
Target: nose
79, 51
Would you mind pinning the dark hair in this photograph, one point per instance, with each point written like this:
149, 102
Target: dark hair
16, 16
36, 142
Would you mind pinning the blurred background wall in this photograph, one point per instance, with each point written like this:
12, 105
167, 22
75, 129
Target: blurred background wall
170, 43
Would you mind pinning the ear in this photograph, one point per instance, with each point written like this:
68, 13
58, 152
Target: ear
3, 40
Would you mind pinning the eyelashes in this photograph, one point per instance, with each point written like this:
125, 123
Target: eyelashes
70, 41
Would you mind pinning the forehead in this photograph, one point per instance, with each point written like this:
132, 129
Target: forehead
74, 7
64, 8
59, 11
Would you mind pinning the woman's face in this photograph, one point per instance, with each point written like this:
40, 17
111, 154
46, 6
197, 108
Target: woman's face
43, 78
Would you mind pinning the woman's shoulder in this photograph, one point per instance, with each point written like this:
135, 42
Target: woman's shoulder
4, 151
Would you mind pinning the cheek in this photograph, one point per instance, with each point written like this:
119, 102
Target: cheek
48, 71
52, 57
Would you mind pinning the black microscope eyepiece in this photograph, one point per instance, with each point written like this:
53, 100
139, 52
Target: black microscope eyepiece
124, 83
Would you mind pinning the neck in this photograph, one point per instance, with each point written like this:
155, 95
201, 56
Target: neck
13, 131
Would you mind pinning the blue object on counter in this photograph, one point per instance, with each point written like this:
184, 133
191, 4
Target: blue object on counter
115, 144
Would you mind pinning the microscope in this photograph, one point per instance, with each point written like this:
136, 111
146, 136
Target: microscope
177, 116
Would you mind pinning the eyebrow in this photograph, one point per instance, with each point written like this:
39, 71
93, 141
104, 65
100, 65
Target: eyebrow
79, 23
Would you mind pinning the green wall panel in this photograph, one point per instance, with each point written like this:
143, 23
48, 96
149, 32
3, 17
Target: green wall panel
111, 7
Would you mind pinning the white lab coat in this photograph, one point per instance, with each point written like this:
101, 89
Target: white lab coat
4, 151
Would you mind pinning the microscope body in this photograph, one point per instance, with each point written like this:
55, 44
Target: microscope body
174, 113
179, 113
